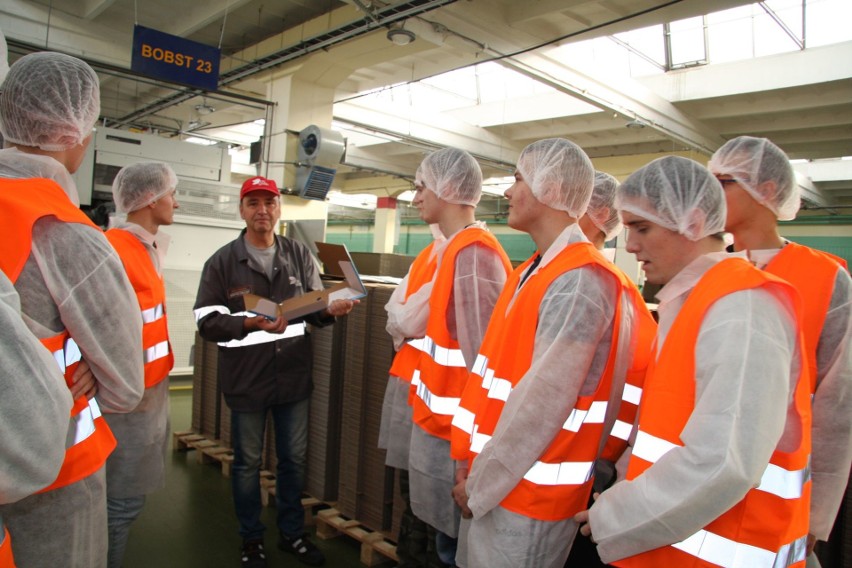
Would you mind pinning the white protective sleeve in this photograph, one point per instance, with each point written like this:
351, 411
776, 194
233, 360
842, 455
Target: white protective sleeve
78, 282
571, 349
35, 406
407, 317
832, 418
745, 362
479, 279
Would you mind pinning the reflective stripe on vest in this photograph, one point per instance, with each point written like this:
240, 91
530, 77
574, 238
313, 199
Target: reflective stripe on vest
787, 484
441, 355
594, 415
631, 394
721, 551
651, 448
158, 351
565, 473
444, 405
67, 356
498, 389
621, 430
152, 314
260, 337
84, 421
578, 417
463, 419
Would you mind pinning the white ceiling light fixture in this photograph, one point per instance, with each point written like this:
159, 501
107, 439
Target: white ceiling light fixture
204, 109
636, 123
401, 36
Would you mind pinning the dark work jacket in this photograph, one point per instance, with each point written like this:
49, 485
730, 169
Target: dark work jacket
254, 377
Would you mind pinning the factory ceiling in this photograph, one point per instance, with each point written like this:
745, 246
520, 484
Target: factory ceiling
625, 79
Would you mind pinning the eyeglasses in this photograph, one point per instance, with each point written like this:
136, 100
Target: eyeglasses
726, 181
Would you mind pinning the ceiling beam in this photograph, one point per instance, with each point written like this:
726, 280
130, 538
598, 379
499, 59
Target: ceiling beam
621, 96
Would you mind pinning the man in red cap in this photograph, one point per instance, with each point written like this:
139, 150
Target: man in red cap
264, 365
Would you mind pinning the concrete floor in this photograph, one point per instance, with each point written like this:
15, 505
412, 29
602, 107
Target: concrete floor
191, 523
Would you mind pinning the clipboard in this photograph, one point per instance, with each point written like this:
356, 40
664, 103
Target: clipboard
351, 288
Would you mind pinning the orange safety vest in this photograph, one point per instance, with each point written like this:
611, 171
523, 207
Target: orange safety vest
6, 559
769, 526
421, 272
558, 485
441, 373
22, 203
645, 333
151, 293
813, 273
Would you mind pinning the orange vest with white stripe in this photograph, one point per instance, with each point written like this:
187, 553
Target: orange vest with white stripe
22, 203
421, 272
558, 485
441, 374
6, 559
813, 273
769, 526
644, 332
151, 294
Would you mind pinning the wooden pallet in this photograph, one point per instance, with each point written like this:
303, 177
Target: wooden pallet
209, 451
375, 548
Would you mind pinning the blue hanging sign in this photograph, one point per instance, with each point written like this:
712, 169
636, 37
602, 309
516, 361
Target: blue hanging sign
164, 56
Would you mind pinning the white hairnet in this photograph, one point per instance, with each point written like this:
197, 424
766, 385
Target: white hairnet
602, 209
559, 174
138, 185
676, 193
753, 161
453, 174
50, 101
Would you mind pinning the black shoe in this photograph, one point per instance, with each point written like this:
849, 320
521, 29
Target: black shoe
252, 554
303, 548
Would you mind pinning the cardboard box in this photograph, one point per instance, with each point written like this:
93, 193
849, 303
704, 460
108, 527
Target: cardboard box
351, 288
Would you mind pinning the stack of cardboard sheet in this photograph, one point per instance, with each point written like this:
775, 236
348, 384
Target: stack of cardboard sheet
205, 395
326, 401
382, 263
366, 484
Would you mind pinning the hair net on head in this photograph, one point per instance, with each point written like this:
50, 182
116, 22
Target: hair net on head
676, 193
138, 185
559, 174
453, 174
50, 101
602, 209
753, 161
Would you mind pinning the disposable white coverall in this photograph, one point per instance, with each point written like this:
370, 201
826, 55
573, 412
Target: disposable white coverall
74, 280
479, 279
746, 363
572, 346
832, 419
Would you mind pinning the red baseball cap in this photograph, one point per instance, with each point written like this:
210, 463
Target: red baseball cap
258, 183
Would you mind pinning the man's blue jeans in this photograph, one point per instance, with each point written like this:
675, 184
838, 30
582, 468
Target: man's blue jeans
291, 441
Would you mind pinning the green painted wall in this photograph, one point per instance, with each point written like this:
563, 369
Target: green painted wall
519, 247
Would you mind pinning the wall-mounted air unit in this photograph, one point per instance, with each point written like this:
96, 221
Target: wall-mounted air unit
320, 149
